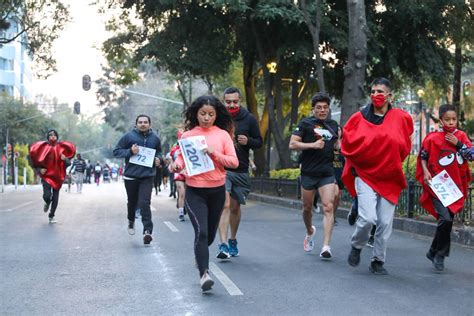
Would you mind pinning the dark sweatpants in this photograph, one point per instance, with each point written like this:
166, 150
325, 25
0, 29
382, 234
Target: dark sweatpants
50, 196
442, 239
139, 197
205, 208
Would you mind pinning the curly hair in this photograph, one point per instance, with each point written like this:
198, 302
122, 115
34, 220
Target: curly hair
223, 117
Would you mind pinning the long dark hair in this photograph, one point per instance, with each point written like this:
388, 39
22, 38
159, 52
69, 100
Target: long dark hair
223, 117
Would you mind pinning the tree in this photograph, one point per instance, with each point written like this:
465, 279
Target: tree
37, 24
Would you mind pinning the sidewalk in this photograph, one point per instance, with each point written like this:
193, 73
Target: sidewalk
461, 235
11, 188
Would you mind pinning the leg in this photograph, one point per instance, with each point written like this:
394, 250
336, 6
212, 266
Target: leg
47, 192
385, 211
54, 203
308, 198
131, 186
196, 205
215, 204
326, 193
442, 240
224, 221
234, 219
367, 203
144, 200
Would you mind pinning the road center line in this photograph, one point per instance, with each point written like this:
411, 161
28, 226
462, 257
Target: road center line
16, 207
171, 226
230, 286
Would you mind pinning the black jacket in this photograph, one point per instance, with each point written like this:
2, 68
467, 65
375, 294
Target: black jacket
123, 150
246, 124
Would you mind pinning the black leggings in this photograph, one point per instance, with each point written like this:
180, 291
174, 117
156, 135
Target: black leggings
442, 240
139, 196
50, 196
205, 208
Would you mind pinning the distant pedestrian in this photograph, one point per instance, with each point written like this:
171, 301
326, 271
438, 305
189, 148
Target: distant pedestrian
205, 192
89, 168
446, 150
50, 158
375, 142
79, 167
97, 173
139, 178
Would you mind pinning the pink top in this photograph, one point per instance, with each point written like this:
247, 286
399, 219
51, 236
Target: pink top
223, 156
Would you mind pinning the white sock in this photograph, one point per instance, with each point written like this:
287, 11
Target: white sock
181, 211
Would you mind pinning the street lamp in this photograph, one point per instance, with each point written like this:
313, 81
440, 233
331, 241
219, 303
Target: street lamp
420, 94
272, 69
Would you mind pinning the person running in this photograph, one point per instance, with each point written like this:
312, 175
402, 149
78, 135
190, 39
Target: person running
316, 136
79, 166
205, 192
375, 142
157, 179
139, 178
237, 183
179, 179
97, 173
444, 150
50, 159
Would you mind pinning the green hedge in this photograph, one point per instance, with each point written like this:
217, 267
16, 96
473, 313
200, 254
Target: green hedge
290, 173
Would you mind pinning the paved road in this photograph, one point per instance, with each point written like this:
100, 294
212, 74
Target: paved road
87, 264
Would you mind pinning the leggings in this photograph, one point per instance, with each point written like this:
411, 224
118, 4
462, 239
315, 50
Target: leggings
50, 196
205, 208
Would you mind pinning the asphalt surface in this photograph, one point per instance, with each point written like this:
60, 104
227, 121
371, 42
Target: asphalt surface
87, 264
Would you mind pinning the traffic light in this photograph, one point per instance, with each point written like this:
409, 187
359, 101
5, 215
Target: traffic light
86, 82
466, 88
77, 108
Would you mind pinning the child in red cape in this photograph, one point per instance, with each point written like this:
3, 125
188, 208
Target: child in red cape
50, 158
444, 150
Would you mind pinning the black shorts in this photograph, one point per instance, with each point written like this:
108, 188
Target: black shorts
314, 183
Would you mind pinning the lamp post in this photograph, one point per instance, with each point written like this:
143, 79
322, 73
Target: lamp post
272, 69
420, 94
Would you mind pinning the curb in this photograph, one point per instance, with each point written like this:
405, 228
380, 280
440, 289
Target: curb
463, 236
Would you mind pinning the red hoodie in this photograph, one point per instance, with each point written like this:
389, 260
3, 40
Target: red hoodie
376, 152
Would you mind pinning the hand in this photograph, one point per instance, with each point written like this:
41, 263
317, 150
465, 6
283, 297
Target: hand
63, 157
174, 167
42, 170
135, 149
426, 177
208, 150
319, 144
451, 138
157, 161
242, 140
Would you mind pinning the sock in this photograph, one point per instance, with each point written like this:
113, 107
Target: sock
181, 211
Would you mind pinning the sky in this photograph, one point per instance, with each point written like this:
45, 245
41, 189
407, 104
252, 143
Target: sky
77, 52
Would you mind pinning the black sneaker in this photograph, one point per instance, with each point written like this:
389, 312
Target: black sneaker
376, 267
351, 218
438, 263
354, 257
131, 228
46, 207
147, 238
370, 242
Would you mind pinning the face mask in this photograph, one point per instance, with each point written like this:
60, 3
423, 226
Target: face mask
378, 100
233, 111
448, 129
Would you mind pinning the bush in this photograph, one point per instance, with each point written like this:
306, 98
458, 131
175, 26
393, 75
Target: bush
290, 173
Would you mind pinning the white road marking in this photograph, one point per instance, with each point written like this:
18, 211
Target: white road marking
171, 226
230, 286
16, 207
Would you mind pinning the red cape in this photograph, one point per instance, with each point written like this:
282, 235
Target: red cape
376, 152
48, 156
443, 156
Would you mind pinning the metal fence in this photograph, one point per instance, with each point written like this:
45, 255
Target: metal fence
408, 205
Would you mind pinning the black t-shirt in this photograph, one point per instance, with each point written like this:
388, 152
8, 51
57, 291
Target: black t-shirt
317, 162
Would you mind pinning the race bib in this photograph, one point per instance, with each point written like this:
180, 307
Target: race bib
445, 189
145, 157
195, 159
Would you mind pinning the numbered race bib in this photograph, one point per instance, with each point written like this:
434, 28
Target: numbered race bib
445, 189
323, 133
195, 159
145, 157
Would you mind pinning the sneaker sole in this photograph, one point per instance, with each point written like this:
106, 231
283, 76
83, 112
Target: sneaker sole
325, 255
222, 256
312, 237
376, 272
206, 286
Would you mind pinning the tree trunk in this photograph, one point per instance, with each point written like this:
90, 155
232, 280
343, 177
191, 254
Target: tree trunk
354, 72
314, 31
457, 77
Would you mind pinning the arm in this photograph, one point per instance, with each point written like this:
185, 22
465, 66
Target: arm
158, 155
423, 159
228, 158
297, 144
122, 150
255, 138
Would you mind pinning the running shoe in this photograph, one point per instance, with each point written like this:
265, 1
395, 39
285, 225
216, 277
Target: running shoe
326, 253
223, 252
46, 207
308, 243
233, 250
147, 238
181, 218
438, 263
351, 218
206, 282
354, 257
131, 228
52, 220
376, 267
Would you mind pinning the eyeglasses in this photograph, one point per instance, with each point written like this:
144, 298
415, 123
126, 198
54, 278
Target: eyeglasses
231, 101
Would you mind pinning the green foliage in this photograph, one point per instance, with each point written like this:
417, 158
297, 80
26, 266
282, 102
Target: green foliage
22, 162
290, 173
409, 166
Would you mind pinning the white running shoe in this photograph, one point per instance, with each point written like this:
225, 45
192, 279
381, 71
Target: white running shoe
308, 243
206, 282
326, 253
